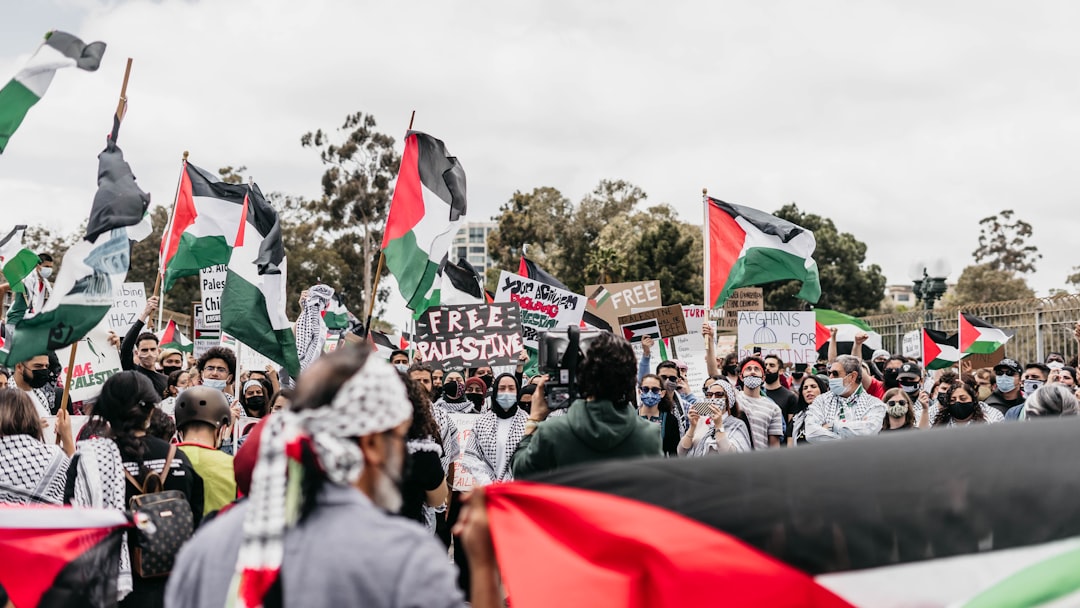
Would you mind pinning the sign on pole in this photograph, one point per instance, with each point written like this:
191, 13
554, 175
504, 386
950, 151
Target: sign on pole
609, 301
790, 335
212, 283
470, 335
668, 321
205, 337
912, 345
129, 300
543, 307
95, 362
744, 298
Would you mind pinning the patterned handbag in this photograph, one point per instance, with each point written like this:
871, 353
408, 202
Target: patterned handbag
165, 523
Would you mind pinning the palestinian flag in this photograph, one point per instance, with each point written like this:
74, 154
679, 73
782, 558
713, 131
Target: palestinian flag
749, 247
459, 285
172, 337
336, 316
847, 326
385, 344
16, 261
205, 224
598, 297
253, 301
83, 292
939, 350
529, 268
60, 556
979, 337
428, 204
636, 332
59, 50
769, 529
591, 321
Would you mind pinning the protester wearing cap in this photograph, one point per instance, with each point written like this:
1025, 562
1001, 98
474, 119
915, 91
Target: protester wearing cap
1034, 378
1007, 379
880, 357
337, 454
847, 410
909, 378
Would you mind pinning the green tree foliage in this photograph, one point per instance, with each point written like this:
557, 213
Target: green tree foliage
1003, 244
536, 219
361, 166
984, 283
665, 251
577, 262
846, 284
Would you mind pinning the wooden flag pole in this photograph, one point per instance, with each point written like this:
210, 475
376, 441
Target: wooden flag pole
121, 107
378, 269
67, 379
167, 239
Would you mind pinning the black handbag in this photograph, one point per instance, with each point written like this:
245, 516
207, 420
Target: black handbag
164, 519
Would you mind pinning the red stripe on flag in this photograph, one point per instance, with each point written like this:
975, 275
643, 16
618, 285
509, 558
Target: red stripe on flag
183, 216
968, 334
823, 334
169, 335
243, 223
726, 240
33, 557
617, 552
523, 268
930, 349
407, 205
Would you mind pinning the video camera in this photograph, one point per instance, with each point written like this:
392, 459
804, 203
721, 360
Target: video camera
561, 354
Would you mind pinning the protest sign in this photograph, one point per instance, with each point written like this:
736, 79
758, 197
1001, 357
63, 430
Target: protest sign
463, 479
912, 345
212, 283
790, 335
129, 300
95, 362
247, 358
48, 433
205, 337
470, 335
669, 320
609, 301
744, 298
543, 307
332, 339
691, 347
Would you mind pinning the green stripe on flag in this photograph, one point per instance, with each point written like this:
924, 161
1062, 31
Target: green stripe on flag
15, 101
414, 270
663, 349
831, 317
19, 267
244, 316
1035, 585
760, 265
193, 254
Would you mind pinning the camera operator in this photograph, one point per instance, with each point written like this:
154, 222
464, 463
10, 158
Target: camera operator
602, 426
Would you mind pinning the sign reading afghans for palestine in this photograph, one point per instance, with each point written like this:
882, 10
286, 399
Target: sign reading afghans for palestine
543, 307
470, 335
790, 335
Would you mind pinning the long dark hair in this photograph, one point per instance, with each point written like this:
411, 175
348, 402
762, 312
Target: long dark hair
126, 402
423, 422
945, 398
823, 387
909, 417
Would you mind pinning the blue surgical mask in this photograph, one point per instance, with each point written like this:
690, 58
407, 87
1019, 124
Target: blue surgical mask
1030, 386
836, 386
218, 385
402, 367
650, 399
506, 400
1006, 383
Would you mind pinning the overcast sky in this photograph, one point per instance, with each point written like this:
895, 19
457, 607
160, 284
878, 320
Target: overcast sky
905, 122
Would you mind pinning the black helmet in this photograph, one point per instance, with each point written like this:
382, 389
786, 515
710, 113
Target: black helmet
202, 404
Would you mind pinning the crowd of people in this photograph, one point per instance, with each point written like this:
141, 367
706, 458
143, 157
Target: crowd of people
350, 488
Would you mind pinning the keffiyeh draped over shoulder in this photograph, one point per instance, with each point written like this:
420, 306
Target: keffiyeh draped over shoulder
31, 471
310, 329
100, 483
373, 400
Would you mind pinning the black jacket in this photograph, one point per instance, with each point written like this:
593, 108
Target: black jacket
127, 359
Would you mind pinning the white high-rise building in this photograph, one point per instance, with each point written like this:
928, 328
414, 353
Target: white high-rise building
471, 243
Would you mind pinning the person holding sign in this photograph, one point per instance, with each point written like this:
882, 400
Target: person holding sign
496, 434
139, 350
847, 410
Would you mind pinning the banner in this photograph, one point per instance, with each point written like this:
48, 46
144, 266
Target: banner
463, 479
744, 298
212, 283
129, 300
543, 307
205, 337
790, 335
610, 301
470, 335
95, 362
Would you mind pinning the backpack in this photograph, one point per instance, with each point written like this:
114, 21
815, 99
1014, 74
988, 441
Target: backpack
167, 522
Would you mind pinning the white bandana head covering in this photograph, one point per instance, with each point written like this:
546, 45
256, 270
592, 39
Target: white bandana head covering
373, 400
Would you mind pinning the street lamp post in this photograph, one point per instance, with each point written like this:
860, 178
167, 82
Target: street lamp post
929, 285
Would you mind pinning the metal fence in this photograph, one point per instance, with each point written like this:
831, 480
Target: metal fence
1042, 325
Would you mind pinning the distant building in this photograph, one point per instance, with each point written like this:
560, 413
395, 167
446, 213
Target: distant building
904, 295
471, 243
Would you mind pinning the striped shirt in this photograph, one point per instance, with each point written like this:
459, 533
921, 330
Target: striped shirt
832, 416
765, 417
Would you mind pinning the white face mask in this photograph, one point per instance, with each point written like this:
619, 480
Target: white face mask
388, 486
46, 272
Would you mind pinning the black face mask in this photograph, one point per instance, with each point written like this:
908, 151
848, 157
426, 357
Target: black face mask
961, 411
890, 378
453, 391
773, 377
256, 403
730, 370
168, 369
37, 378
488, 381
477, 400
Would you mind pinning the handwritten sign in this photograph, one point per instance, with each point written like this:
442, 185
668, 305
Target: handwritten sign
129, 300
212, 283
789, 335
95, 362
470, 335
669, 319
912, 344
609, 301
206, 336
543, 307
744, 298
463, 478
691, 347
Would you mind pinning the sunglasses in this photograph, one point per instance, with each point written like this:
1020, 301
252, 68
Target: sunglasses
909, 382
656, 390
896, 402
836, 374
669, 378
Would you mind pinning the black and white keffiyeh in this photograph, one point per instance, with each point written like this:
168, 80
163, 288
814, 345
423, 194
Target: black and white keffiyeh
310, 328
374, 400
44, 396
31, 471
449, 432
100, 483
482, 452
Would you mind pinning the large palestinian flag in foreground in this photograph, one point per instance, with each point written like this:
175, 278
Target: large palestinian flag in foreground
979, 337
59, 50
253, 301
822, 526
428, 204
59, 556
749, 247
846, 328
205, 224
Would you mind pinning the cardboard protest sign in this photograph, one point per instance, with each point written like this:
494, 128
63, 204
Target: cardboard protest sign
669, 321
95, 362
744, 298
609, 301
463, 479
543, 307
129, 300
212, 283
790, 335
332, 339
205, 336
470, 335
912, 344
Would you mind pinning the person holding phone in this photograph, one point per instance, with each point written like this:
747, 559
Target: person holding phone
714, 427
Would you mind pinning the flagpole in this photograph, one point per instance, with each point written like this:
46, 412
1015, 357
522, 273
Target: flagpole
67, 379
121, 106
168, 241
379, 267
705, 251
